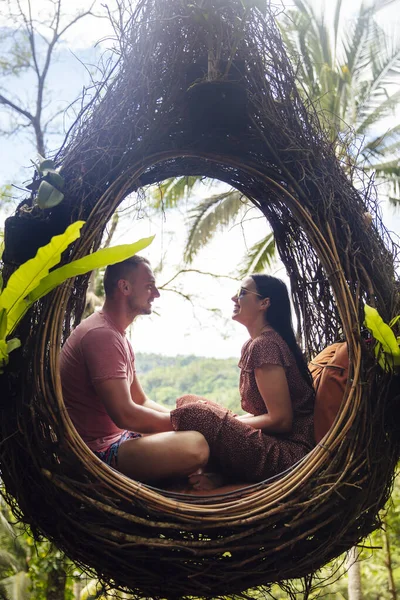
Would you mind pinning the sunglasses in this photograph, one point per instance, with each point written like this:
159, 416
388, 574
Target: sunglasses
243, 291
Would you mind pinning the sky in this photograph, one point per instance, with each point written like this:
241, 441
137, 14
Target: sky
177, 326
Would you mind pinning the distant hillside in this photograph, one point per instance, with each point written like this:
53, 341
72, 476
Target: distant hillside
165, 378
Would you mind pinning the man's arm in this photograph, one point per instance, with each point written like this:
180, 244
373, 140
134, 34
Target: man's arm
126, 414
139, 397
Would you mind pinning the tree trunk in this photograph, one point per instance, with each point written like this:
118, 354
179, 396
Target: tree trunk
77, 588
56, 581
40, 147
354, 587
388, 561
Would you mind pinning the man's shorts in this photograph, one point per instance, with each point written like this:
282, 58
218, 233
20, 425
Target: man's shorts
110, 454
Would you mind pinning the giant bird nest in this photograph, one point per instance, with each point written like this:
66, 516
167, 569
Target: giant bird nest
140, 129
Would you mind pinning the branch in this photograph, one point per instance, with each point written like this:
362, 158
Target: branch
14, 128
21, 111
113, 227
185, 296
30, 31
56, 36
77, 18
53, 117
162, 287
98, 90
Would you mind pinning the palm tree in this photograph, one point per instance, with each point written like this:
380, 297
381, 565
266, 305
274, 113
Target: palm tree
348, 70
351, 72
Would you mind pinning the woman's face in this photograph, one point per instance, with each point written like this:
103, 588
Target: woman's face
248, 303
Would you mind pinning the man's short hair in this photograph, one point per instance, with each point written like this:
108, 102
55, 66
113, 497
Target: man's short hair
121, 270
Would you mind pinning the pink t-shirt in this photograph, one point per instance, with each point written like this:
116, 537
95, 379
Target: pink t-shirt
95, 351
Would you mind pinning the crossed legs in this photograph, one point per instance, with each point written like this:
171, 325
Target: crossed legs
163, 455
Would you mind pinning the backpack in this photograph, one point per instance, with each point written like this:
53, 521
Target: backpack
329, 370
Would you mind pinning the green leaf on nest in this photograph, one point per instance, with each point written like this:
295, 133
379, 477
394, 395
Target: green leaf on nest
381, 331
46, 165
387, 350
3, 323
55, 180
13, 344
48, 196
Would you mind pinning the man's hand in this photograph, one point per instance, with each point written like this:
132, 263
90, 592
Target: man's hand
126, 414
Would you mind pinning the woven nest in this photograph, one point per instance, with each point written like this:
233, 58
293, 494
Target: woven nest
138, 130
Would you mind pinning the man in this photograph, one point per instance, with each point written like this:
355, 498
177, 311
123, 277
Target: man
102, 392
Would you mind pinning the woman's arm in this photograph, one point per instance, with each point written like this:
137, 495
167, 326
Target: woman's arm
273, 387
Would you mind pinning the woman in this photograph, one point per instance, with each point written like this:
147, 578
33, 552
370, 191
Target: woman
275, 387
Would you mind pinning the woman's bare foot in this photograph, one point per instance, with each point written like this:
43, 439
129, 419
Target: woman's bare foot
206, 481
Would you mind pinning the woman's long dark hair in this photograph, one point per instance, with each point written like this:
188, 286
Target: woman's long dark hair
279, 316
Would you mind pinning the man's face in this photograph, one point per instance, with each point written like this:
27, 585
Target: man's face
142, 290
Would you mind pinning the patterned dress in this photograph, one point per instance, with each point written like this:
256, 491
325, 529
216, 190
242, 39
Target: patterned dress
239, 450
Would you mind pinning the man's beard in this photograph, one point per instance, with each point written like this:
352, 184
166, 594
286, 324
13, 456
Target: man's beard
141, 310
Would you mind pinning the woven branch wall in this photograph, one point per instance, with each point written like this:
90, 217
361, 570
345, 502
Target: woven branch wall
145, 125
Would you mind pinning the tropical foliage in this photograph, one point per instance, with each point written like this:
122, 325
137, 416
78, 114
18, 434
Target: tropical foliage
387, 347
14, 579
51, 184
166, 378
350, 70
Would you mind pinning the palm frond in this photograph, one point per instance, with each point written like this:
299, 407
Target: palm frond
384, 109
386, 151
378, 5
389, 171
387, 178
312, 34
391, 184
305, 7
384, 73
170, 192
385, 145
385, 61
11, 537
395, 200
306, 59
3, 593
8, 560
260, 257
325, 42
210, 215
295, 33
357, 38
6, 528
353, 86
16, 587
336, 20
